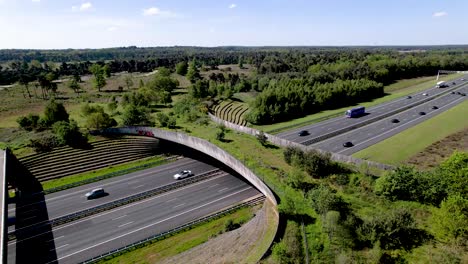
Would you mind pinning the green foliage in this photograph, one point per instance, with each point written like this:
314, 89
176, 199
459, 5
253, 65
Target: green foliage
165, 120
221, 133
44, 144
316, 164
262, 138
162, 81
454, 173
229, 225
54, 112
129, 81
135, 115
199, 89
29, 123
181, 68
100, 120
74, 85
192, 72
323, 199
451, 220
287, 98
100, 74
289, 249
68, 133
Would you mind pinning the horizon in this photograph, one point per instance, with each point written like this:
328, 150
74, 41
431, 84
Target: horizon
88, 24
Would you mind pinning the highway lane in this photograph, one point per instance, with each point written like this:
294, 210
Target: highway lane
98, 234
73, 200
373, 133
334, 124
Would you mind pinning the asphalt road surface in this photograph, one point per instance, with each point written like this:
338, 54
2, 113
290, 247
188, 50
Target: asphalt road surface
74, 200
83, 239
338, 123
373, 133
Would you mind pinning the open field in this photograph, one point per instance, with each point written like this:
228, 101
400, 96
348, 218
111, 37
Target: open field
440, 150
399, 148
394, 91
230, 69
161, 250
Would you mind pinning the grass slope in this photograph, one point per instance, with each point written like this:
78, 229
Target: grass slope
399, 148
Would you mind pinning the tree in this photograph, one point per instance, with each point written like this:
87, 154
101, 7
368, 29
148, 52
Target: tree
181, 68
74, 85
128, 81
192, 73
68, 133
55, 112
221, 133
100, 120
135, 115
451, 220
29, 122
99, 80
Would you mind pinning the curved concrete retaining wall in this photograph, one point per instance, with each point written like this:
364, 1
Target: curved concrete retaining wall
201, 145
3, 193
286, 143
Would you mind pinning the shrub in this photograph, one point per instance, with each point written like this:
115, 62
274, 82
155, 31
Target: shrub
68, 133
54, 112
28, 123
44, 144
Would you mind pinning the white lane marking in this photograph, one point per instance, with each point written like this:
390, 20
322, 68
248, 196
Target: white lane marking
168, 201
59, 247
150, 225
55, 238
107, 202
139, 186
222, 190
414, 120
213, 185
125, 224
178, 205
122, 216
124, 207
132, 182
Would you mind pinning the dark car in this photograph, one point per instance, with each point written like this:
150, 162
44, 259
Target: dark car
303, 133
409, 97
347, 144
422, 113
96, 193
463, 94
453, 92
454, 83
459, 93
435, 107
395, 120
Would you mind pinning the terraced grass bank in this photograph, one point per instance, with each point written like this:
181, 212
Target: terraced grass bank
231, 111
399, 148
99, 154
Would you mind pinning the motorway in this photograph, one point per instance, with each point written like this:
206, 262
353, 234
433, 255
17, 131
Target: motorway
98, 234
73, 200
373, 133
334, 124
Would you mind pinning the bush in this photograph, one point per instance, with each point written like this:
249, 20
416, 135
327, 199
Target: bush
68, 133
54, 112
44, 144
451, 220
135, 115
28, 123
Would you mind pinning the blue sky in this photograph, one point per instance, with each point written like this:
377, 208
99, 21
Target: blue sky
47, 24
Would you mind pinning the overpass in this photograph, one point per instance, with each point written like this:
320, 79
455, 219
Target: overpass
3, 197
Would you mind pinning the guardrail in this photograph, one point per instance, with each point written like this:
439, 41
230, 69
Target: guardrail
375, 119
173, 231
108, 206
108, 175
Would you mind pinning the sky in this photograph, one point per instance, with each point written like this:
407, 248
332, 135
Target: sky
62, 24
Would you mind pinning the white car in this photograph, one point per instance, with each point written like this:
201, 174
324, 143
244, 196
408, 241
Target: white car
425, 94
183, 174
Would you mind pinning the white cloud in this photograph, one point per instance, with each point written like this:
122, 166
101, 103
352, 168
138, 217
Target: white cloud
154, 11
86, 6
231, 6
439, 14
112, 29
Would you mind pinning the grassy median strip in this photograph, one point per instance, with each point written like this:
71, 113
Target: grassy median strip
397, 149
398, 89
184, 240
109, 172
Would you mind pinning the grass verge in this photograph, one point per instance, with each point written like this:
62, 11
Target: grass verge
111, 171
181, 242
397, 149
396, 90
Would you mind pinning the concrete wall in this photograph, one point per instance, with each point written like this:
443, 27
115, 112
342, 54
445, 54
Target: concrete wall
201, 145
286, 143
3, 204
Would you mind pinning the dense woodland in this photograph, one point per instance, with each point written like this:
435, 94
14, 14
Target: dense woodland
291, 82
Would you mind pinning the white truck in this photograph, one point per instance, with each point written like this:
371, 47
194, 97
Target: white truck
441, 84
